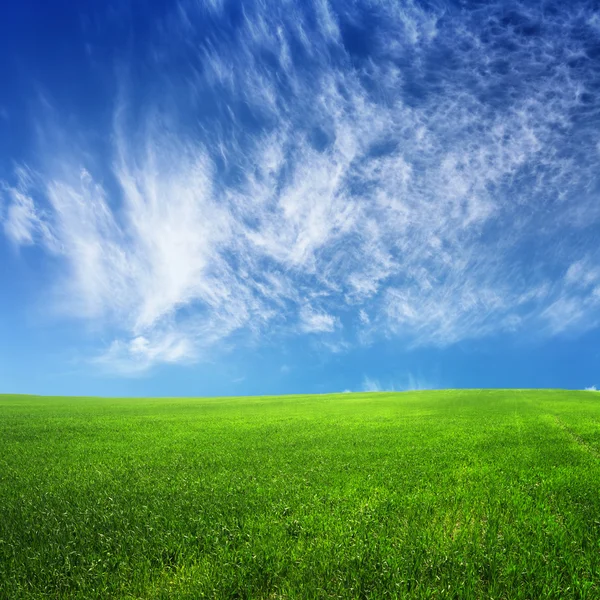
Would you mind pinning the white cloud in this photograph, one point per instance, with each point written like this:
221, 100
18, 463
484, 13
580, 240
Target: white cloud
576, 305
312, 321
408, 383
328, 187
21, 220
371, 385
138, 354
23, 223
415, 383
591, 389
327, 20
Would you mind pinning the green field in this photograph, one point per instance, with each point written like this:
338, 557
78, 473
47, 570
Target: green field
449, 494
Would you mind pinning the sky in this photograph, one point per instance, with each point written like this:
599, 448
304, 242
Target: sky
215, 197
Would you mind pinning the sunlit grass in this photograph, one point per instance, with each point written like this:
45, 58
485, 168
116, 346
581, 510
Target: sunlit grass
449, 494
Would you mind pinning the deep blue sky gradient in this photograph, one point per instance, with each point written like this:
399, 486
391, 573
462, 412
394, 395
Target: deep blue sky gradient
264, 197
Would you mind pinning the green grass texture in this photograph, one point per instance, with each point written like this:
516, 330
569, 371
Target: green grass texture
470, 494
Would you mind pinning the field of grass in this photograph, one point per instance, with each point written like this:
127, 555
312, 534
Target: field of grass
449, 494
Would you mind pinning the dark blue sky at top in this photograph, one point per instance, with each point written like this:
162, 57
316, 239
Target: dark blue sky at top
276, 197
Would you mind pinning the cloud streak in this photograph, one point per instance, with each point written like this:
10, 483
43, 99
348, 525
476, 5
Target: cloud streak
430, 175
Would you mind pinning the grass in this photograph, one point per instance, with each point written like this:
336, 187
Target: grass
449, 494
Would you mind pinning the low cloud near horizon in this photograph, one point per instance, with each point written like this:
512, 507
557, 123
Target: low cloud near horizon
408, 383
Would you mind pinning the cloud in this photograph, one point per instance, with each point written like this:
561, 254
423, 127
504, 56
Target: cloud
433, 179
416, 383
316, 322
138, 354
576, 305
23, 224
21, 221
590, 389
408, 383
371, 385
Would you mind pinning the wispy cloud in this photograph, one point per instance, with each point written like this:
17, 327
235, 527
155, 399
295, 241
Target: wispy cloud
436, 181
138, 354
23, 223
414, 383
371, 385
406, 383
316, 322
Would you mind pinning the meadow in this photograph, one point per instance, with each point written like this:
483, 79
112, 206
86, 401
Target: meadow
445, 494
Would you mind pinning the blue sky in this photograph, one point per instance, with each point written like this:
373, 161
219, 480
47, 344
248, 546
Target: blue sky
216, 197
